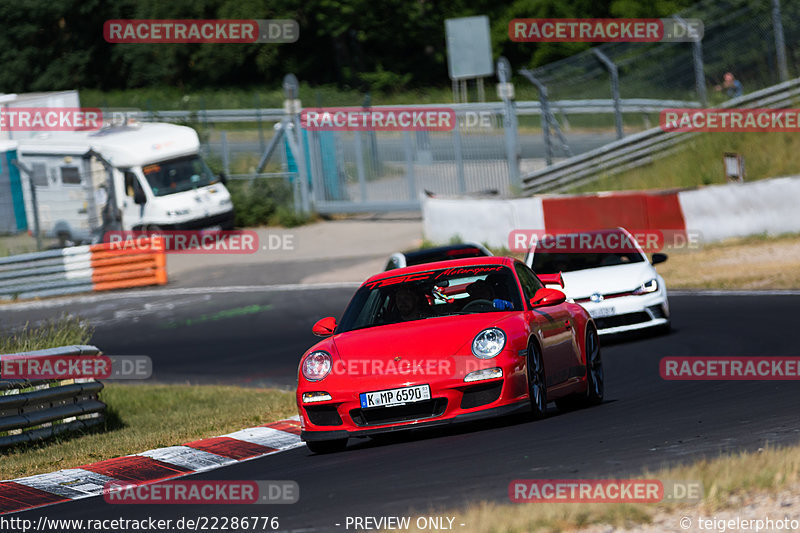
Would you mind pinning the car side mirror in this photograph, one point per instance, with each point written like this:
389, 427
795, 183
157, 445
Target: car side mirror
658, 257
139, 196
545, 297
223, 178
324, 327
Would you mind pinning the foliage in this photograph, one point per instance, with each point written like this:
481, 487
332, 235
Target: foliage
354, 44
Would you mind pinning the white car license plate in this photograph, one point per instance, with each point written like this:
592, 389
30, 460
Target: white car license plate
212, 229
603, 311
402, 396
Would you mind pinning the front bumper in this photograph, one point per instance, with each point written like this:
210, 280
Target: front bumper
629, 313
223, 220
503, 410
451, 399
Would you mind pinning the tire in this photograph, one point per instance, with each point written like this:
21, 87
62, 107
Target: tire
537, 383
595, 378
327, 446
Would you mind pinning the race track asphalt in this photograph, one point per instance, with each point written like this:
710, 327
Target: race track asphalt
645, 422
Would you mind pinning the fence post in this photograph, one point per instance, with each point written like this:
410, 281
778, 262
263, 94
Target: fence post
612, 69
545, 107
509, 122
699, 70
362, 180
294, 135
780, 43
412, 181
258, 121
462, 183
226, 167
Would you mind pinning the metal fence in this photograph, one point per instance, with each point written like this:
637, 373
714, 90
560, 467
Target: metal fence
643, 148
32, 410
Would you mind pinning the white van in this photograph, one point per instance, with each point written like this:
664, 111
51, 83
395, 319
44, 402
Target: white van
134, 176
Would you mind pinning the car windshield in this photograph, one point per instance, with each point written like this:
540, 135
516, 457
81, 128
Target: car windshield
431, 294
552, 263
177, 175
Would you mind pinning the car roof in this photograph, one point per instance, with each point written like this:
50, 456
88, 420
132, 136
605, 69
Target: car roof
452, 263
605, 231
417, 254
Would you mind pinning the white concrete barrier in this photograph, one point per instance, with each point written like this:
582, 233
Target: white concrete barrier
739, 210
485, 220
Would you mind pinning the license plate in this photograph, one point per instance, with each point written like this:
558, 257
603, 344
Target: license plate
212, 229
603, 311
382, 398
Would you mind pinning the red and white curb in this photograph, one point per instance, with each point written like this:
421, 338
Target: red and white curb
150, 466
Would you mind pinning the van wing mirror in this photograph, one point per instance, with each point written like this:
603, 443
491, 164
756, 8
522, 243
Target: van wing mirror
139, 196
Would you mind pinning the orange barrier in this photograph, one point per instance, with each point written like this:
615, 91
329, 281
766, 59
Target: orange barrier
122, 265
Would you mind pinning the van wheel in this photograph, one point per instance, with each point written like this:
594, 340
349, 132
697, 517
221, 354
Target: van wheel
64, 239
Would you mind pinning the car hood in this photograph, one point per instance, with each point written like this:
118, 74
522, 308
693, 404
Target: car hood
421, 339
607, 280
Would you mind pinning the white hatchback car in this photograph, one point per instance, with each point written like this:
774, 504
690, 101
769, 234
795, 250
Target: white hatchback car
620, 289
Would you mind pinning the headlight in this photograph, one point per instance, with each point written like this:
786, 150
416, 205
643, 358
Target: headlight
317, 365
488, 343
647, 287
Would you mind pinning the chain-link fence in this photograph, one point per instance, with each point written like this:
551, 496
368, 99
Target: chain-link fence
739, 37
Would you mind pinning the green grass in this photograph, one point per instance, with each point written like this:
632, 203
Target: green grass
727, 480
62, 331
142, 417
766, 155
139, 417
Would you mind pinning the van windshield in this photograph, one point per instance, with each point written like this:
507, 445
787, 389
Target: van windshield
178, 175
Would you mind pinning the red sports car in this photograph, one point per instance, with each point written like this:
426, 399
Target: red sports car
446, 342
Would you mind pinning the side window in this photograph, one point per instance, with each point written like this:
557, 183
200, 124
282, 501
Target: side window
39, 174
530, 283
70, 176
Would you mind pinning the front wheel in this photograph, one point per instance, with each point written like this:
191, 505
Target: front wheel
537, 385
327, 446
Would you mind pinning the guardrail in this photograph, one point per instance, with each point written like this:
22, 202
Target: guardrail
95, 267
590, 106
32, 410
641, 148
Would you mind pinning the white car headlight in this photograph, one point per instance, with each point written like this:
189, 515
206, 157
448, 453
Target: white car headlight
317, 365
647, 287
488, 343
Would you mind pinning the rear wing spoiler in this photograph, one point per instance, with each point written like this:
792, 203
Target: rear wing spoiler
552, 279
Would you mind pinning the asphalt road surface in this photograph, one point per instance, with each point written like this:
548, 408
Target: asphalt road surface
645, 422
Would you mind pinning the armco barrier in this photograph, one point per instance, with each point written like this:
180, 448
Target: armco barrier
715, 212
32, 410
95, 267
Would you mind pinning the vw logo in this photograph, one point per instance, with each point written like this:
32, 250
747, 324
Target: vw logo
596, 297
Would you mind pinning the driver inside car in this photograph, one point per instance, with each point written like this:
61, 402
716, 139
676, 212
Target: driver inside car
408, 304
